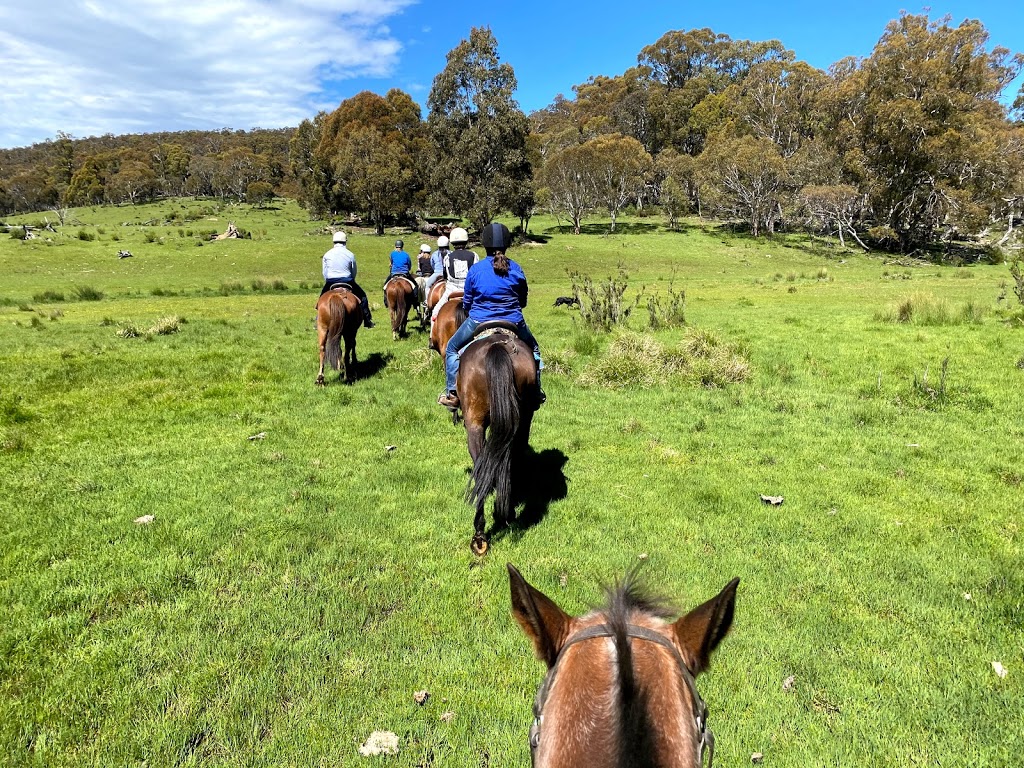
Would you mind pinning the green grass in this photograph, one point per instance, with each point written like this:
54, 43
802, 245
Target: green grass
292, 592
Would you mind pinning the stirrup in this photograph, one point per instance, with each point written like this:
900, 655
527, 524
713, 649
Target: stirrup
448, 400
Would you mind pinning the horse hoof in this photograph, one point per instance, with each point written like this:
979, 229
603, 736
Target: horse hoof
479, 545
320, 381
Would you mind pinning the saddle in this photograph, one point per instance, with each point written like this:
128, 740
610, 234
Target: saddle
342, 287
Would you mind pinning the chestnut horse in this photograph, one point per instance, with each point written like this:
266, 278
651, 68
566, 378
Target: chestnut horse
401, 296
338, 315
497, 387
448, 320
620, 685
436, 292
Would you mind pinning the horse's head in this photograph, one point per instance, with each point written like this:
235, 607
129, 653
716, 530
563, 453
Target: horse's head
619, 689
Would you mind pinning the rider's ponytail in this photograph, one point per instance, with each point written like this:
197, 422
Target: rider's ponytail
500, 263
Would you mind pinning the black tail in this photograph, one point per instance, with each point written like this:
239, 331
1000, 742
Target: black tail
460, 314
332, 352
492, 471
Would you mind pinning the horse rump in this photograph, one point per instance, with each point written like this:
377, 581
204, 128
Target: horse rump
492, 471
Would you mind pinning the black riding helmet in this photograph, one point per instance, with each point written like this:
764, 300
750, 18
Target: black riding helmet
496, 235
399, 244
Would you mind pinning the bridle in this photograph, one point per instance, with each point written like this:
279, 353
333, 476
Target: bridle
705, 740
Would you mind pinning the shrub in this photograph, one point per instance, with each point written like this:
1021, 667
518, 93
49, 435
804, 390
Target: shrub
636, 360
229, 288
1018, 280
18, 233
48, 297
671, 314
166, 325
602, 307
822, 273
150, 236
86, 235
259, 284
280, 285
128, 331
87, 293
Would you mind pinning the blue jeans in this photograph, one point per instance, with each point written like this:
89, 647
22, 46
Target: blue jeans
464, 335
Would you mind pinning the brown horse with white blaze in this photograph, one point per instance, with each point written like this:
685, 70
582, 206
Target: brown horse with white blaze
620, 686
497, 386
400, 295
338, 316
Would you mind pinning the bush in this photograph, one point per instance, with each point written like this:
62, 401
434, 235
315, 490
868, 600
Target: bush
1018, 280
671, 314
602, 307
229, 288
87, 293
259, 284
18, 233
48, 297
634, 360
166, 326
86, 235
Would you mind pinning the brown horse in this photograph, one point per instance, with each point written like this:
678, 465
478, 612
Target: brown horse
620, 685
338, 315
400, 295
436, 292
497, 388
449, 318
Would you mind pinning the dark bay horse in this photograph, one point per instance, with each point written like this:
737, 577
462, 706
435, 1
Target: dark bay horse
620, 685
338, 316
497, 388
401, 296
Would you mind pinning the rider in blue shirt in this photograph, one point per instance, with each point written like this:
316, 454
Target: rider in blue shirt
401, 265
495, 290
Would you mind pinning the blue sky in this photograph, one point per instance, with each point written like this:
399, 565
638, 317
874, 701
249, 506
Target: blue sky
135, 66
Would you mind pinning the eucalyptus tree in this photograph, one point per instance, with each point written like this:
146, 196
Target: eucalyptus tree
477, 133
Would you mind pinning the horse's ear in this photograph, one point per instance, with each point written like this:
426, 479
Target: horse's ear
544, 623
701, 630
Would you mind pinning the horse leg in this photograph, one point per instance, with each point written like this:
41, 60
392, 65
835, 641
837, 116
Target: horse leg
322, 336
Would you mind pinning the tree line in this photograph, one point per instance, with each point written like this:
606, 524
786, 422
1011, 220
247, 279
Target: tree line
908, 147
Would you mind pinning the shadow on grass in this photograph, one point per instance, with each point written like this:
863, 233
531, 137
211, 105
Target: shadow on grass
622, 228
540, 480
372, 365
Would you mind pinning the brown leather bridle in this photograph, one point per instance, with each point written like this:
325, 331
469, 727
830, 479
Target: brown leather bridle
706, 739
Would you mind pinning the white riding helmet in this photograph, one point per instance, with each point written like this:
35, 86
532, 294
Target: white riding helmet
424, 248
340, 237
459, 235
442, 242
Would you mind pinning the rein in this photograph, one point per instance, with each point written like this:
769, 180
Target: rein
706, 739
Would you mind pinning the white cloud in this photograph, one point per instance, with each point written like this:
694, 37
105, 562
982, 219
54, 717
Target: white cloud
129, 66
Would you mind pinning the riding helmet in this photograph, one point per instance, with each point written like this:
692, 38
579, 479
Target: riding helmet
340, 237
399, 244
442, 242
459, 235
424, 248
496, 235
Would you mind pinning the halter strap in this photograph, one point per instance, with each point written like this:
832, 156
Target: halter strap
706, 739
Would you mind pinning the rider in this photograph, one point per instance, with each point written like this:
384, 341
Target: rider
495, 290
340, 269
456, 266
401, 266
424, 271
436, 269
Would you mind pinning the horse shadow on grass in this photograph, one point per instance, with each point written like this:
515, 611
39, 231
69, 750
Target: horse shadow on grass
373, 364
538, 482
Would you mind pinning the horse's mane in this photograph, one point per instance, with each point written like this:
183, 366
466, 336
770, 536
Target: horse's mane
623, 599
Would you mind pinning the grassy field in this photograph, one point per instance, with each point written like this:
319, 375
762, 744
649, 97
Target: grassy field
293, 592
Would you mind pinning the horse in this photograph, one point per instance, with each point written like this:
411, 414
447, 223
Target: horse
400, 296
620, 687
448, 320
338, 315
436, 292
498, 394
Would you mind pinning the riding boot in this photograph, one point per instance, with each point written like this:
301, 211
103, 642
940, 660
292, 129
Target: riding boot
364, 304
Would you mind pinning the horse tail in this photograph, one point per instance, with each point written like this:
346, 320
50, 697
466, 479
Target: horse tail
460, 314
492, 471
335, 325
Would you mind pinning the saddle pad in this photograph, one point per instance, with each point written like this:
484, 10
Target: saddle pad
487, 332
409, 282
